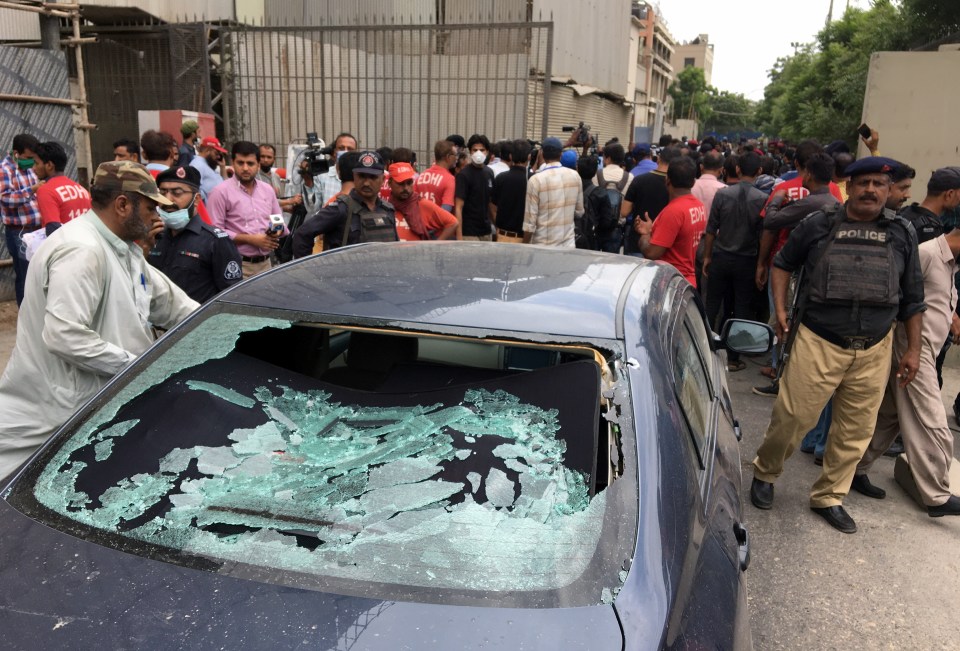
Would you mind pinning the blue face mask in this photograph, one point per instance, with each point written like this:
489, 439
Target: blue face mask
176, 220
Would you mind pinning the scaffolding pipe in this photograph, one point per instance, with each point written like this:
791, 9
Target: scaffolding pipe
44, 10
84, 122
10, 97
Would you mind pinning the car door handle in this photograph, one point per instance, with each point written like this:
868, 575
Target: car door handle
743, 544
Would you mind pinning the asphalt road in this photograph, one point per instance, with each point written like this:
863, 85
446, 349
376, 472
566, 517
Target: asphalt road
895, 584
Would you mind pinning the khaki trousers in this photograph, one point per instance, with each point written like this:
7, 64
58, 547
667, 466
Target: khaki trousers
253, 268
478, 238
917, 412
818, 369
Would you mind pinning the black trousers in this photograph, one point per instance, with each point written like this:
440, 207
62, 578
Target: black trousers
730, 288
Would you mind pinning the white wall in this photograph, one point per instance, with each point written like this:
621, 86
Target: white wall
591, 41
912, 100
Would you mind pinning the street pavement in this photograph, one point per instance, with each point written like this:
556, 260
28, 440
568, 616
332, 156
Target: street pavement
895, 584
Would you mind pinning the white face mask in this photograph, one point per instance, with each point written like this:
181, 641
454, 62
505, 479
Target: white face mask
478, 157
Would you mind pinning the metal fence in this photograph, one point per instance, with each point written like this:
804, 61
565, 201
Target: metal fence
142, 67
389, 85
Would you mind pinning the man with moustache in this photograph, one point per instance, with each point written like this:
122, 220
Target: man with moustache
863, 273
360, 216
90, 307
417, 218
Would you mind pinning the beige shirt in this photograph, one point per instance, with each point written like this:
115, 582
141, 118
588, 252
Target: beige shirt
89, 306
554, 196
939, 291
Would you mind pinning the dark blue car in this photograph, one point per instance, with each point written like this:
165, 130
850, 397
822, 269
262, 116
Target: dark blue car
400, 446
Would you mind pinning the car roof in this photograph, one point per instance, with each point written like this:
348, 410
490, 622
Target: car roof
501, 287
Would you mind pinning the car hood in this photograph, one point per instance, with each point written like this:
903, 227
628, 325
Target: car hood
63, 592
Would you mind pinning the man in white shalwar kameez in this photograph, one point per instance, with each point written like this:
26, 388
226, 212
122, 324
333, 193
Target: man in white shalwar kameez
89, 306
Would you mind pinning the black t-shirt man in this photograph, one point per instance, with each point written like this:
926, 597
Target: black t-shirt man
648, 193
474, 185
509, 196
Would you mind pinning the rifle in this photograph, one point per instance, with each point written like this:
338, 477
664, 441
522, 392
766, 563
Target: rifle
793, 322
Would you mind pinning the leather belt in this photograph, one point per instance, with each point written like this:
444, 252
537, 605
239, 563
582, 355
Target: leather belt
254, 258
847, 343
500, 231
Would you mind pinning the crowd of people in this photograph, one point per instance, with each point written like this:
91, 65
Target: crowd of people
858, 284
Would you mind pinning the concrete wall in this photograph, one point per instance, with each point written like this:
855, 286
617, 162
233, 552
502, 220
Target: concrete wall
591, 41
912, 100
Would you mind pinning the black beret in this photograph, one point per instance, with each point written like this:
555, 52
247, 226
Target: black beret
187, 175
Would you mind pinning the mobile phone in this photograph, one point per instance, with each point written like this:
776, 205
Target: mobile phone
864, 131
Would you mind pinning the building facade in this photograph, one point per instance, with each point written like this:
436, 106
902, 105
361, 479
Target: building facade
698, 53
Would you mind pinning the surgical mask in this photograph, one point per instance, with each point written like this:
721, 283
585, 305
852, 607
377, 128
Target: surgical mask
176, 220
25, 163
478, 157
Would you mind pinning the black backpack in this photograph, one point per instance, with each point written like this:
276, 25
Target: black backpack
596, 210
614, 192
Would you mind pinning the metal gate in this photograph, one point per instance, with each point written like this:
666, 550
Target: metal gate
141, 67
389, 85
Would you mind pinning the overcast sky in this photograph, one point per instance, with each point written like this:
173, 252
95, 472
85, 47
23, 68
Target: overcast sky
749, 35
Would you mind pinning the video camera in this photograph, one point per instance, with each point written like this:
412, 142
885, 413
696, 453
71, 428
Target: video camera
317, 154
581, 132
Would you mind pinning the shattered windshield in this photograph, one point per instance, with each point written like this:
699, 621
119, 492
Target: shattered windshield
374, 464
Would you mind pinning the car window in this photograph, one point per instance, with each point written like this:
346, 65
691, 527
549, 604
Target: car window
358, 466
690, 378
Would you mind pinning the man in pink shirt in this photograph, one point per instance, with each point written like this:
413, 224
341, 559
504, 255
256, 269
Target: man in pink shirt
709, 182
242, 207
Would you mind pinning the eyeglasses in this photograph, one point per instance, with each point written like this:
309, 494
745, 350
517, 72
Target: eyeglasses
176, 193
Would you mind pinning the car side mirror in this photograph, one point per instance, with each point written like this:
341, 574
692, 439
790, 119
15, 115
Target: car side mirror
746, 337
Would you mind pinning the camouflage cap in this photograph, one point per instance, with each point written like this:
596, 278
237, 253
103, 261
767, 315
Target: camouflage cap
188, 127
127, 176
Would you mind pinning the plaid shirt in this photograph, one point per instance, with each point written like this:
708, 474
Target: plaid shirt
18, 203
554, 197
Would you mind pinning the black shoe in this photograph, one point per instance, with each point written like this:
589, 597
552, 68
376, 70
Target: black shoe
761, 494
950, 507
861, 484
817, 461
895, 449
837, 517
769, 391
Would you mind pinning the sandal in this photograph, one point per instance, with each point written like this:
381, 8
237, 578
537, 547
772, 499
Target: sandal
733, 367
768, 371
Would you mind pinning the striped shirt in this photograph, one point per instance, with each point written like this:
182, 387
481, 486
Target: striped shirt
18, 202
554, 197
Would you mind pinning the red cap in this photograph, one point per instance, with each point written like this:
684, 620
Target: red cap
210, 141
401, 172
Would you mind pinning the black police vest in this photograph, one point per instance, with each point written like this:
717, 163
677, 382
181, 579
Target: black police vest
927, 225
857, 266
375, 225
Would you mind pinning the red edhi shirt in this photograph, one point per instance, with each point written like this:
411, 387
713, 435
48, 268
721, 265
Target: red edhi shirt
678, 228
61, 199
436, 184
795, 192
434, 219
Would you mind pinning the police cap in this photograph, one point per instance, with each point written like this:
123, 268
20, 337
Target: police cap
187, 175
871, 165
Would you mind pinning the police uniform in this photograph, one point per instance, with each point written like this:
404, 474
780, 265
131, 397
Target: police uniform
200, 259
861, 277
348, 220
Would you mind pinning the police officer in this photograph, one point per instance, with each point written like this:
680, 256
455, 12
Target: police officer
359, 216
863, 272
917, 410
200, 259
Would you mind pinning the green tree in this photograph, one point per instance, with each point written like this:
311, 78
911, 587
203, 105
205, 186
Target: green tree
729, 112
818, 92
690, 95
